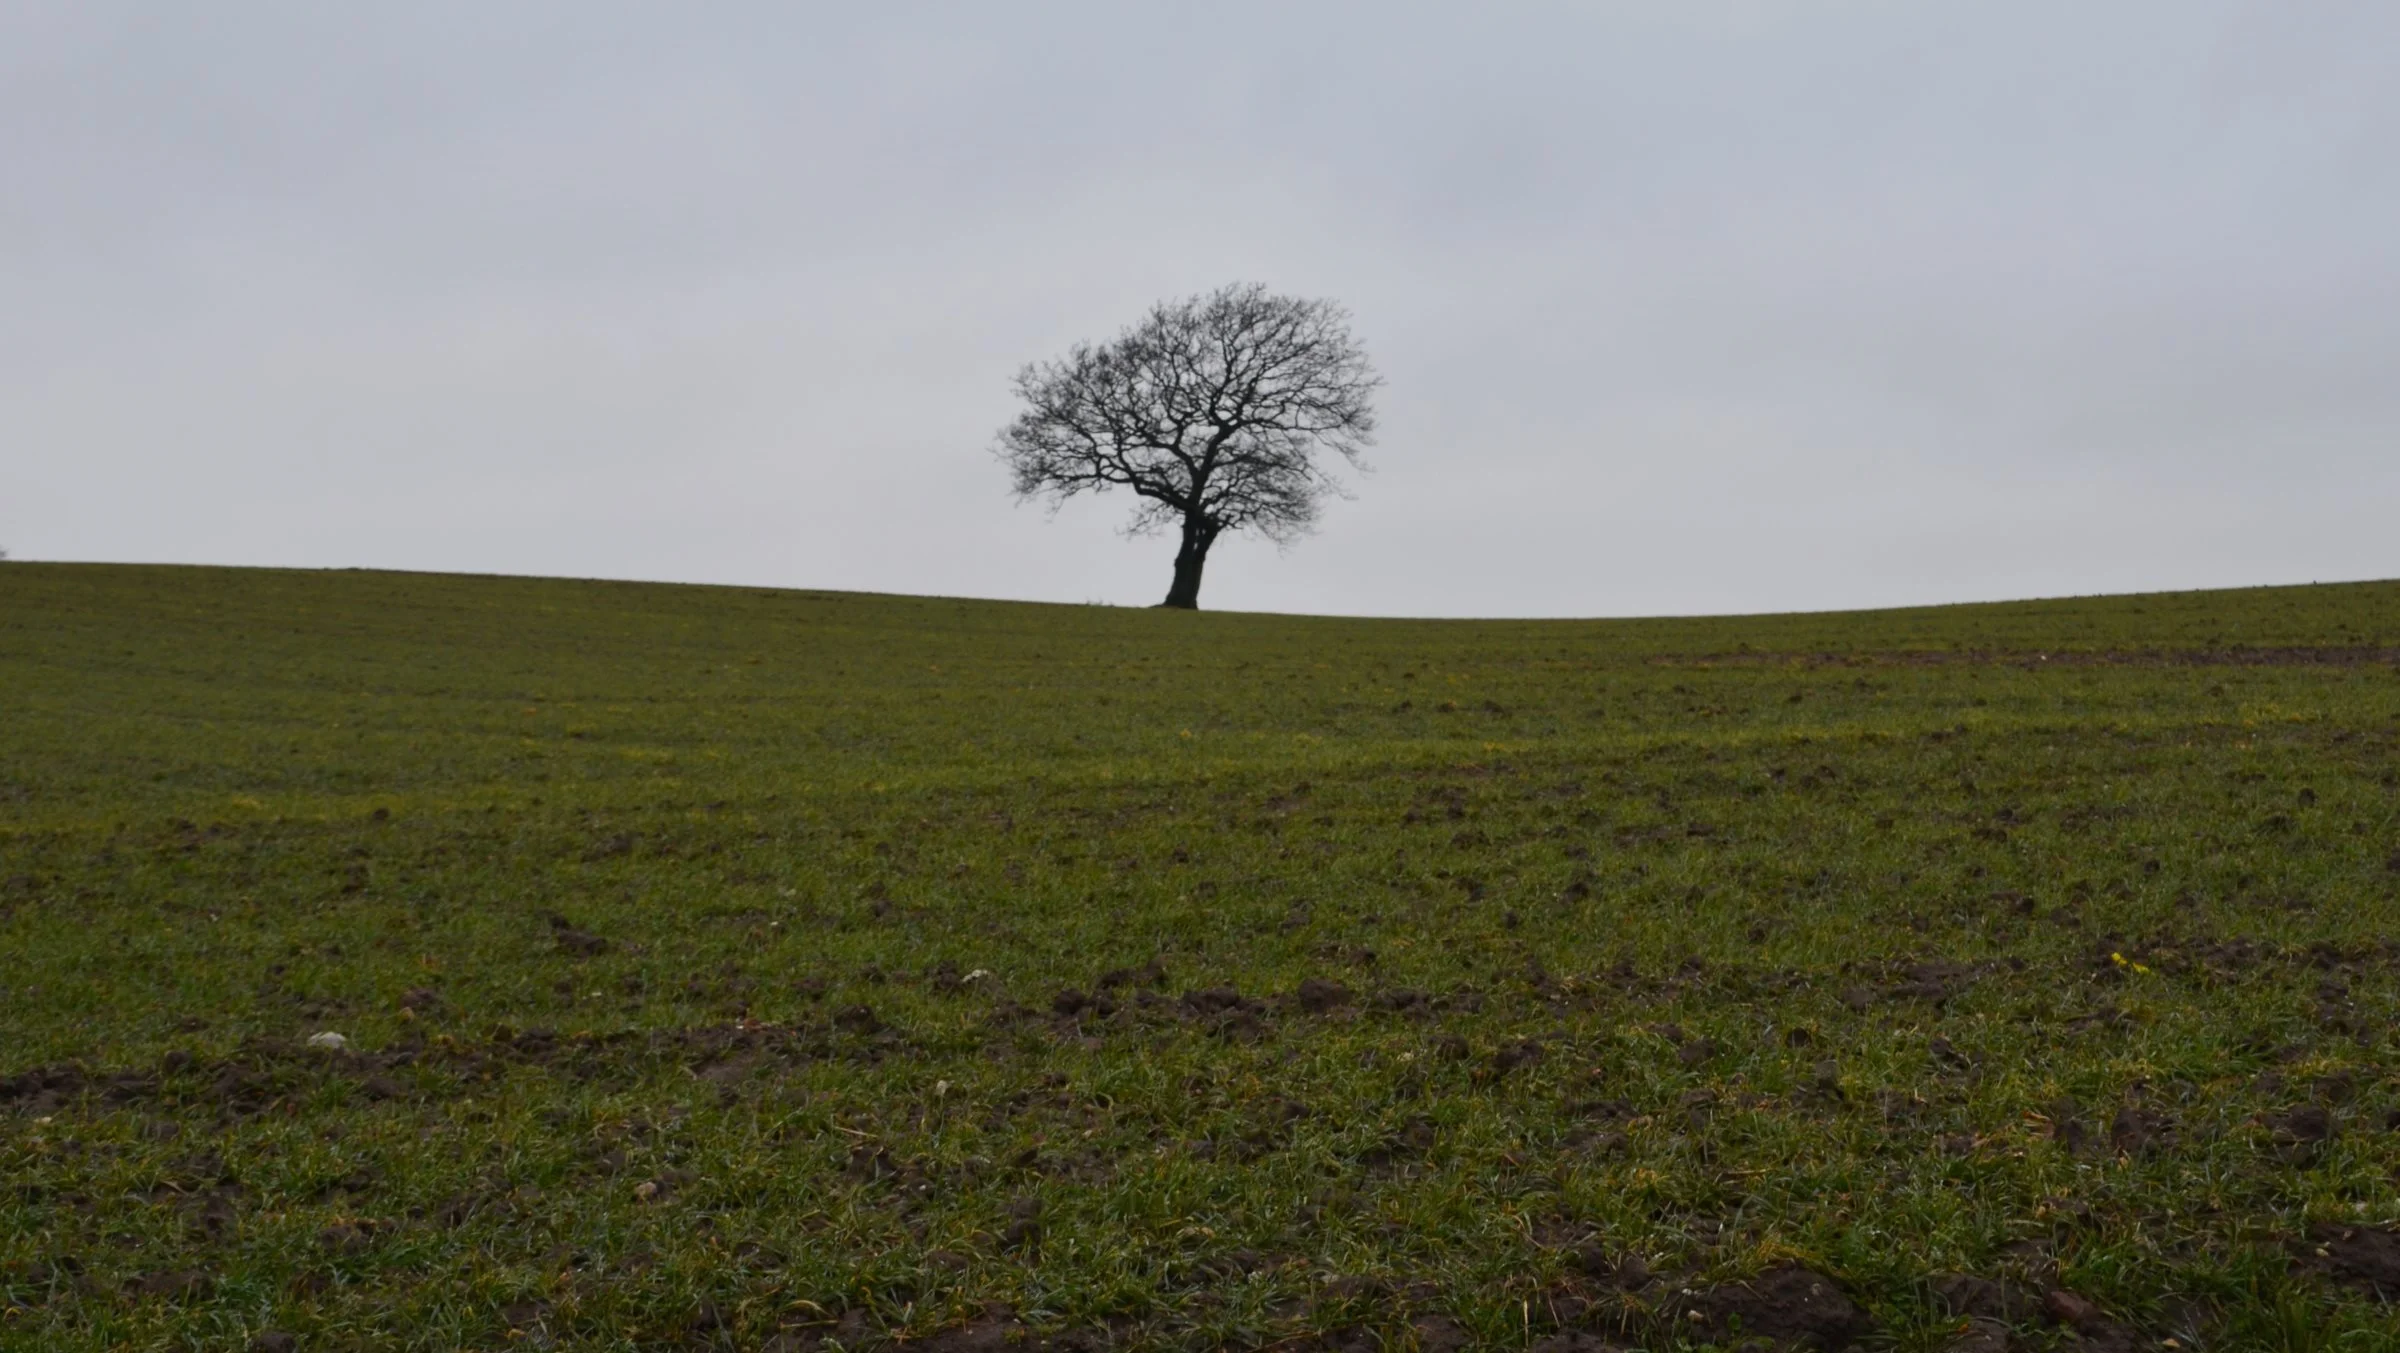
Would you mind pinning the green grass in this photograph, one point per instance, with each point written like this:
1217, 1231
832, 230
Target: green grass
1719, 944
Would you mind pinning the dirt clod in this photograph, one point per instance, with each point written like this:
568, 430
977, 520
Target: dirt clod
2108, 1336
1150, 974
524, 1315
1022, 1234
2366, 1257
1980, 1336
2067, 1127
1613, 1271
1318, 995
2136, 1131
1441, 1334
187, 1284
2069, 1308
2306, 1126
346, 1238
1213, 1001
1509, 1057
1787, 1305
573, 939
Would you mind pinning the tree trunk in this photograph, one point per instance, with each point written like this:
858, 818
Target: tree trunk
1190, 557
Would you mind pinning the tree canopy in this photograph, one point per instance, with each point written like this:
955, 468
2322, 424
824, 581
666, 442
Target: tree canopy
1221, 412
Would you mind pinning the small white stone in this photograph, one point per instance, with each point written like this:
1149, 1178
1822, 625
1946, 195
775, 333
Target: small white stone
328, 1040
976, 976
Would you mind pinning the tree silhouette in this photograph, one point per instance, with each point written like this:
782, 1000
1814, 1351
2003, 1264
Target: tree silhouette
1214, 410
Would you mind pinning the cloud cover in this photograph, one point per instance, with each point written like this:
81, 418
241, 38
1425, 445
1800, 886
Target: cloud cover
1682, 307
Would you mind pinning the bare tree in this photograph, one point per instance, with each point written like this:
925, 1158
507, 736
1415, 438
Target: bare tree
1213, 410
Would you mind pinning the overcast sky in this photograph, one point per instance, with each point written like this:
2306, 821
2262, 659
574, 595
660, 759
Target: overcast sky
1682, 306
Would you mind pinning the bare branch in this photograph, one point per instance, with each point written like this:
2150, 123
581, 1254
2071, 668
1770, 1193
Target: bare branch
1214, 410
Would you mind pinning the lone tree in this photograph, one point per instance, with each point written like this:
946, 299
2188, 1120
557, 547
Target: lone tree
1212, 409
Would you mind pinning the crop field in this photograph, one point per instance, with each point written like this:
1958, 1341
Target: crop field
399, 961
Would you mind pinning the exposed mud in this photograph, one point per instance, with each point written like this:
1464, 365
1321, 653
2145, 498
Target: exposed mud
2363, 1257
1787, 1306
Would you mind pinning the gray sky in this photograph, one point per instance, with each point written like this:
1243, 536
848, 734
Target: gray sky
1682, 306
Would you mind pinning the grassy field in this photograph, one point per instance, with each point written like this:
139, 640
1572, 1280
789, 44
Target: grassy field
723, 968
